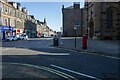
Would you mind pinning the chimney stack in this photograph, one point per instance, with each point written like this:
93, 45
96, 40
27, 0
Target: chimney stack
76, 5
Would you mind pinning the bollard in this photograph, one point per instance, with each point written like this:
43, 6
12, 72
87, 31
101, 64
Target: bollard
84, 42
55, 42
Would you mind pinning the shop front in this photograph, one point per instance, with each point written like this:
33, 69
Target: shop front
6, 31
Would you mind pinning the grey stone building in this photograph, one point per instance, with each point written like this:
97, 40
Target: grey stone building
72, 20
102, 20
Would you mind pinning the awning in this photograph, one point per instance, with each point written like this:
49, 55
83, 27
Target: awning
4, 28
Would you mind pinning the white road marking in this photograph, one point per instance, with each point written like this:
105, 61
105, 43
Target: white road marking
78, 73
110, 57
57, 54
102, 55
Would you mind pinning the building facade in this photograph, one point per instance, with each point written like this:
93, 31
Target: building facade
102, 20
43, 29
31, 26
12, 17
72, 20
39, 29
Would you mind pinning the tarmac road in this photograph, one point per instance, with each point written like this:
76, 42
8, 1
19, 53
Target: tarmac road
36, 53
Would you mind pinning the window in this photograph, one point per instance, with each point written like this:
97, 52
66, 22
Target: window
6, 22
1, 21
0, 6
10, 11
16, 14
109, 18
22, 16
14, 23
5, 9
9, 22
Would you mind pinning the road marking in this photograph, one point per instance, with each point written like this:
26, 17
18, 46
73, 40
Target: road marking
81, 74
57, 54
101, 55
112, 57
59, 73
73, 78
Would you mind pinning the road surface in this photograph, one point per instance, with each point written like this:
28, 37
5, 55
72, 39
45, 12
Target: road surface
34, 58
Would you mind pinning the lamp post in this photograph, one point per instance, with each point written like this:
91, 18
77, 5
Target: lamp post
75, 28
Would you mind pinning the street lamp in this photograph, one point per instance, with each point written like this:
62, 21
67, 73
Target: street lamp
75, 28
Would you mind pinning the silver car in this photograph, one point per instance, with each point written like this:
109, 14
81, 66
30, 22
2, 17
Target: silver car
11, 38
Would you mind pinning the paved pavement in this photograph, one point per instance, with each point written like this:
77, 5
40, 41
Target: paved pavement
36, 56
104, 47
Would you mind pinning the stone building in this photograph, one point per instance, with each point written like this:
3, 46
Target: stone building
72, 20
20, 16
102, 20
43, 29
31, 26
12, 18
39, 29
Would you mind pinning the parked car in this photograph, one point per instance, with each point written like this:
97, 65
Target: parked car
42, 36
11, 38
20, 37
25, 37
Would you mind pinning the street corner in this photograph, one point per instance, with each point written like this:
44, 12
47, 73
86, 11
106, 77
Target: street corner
21, 70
